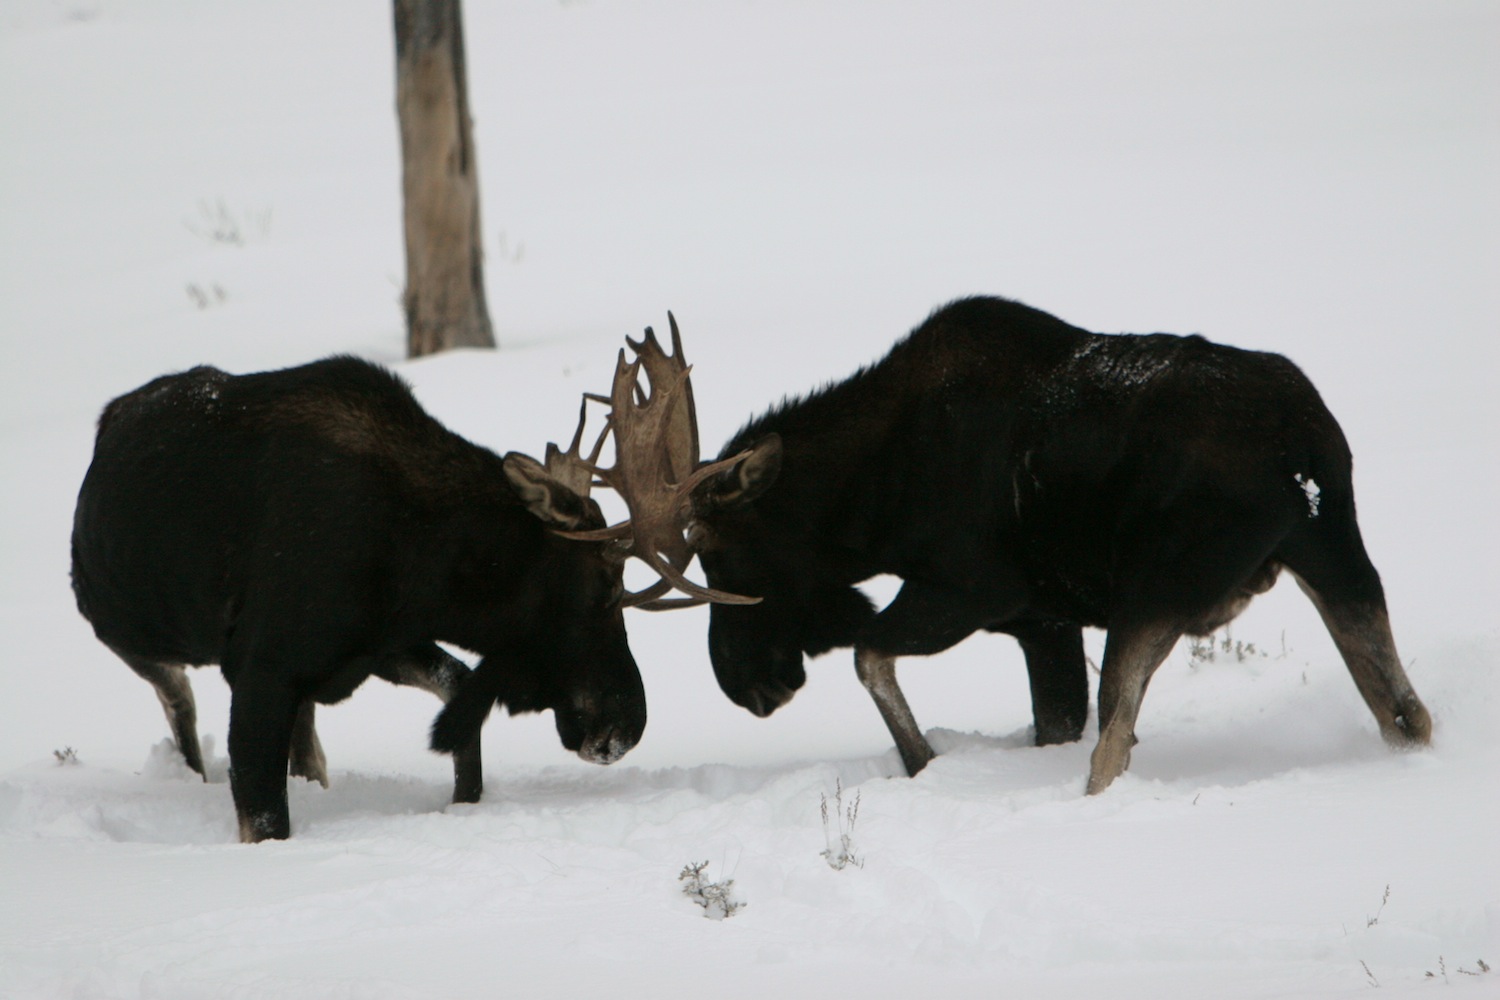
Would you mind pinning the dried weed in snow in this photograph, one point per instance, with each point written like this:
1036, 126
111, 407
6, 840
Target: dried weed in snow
716, 898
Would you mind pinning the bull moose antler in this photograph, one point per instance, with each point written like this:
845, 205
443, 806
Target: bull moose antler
570, 467
656, 468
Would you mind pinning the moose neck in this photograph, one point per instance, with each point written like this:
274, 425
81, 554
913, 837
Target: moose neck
836, 452
470, 549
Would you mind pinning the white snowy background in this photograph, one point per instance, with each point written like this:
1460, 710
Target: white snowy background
801, 181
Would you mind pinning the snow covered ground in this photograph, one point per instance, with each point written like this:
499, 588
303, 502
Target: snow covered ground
801, 181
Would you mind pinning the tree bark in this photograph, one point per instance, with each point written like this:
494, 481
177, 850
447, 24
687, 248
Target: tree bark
444, 300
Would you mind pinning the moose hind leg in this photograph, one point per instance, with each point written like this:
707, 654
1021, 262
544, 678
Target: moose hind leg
1331, 566
1131, 655
175, 692
1059, 677
307, 759
430, 668
262, 714
1362, 632
877, 672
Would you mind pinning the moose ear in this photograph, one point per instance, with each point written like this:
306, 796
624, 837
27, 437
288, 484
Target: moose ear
746, 481
546, 498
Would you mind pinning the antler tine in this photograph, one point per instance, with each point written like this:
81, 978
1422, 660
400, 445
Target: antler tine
574, 451
577, 473
570, 467
676, 335
685, 431
583, 417
672, 603
673, 374
593, 459
682, 583
649, 595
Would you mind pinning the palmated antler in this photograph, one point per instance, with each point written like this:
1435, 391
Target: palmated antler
656, 468
570, 467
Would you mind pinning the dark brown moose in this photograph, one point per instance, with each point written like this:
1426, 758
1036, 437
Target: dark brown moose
308, 528
1024, 476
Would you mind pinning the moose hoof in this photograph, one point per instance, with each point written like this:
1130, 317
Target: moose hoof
1108, 762
257, 827
916, 758
1409, 730
1053, 733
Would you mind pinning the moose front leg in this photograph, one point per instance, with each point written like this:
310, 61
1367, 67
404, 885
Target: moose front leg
877, 672
922, 620
430, 668
1132, 653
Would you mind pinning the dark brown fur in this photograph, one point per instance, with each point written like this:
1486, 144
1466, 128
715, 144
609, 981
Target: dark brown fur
308, 528
1025, 476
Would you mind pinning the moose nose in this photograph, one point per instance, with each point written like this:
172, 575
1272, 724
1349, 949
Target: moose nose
606, 747
607, 727
766, 697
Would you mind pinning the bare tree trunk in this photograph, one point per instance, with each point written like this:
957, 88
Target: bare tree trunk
445, 304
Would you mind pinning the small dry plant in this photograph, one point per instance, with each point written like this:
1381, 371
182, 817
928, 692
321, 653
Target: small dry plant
716, 898
841, 855
1481, 969
204, 296
66, 757
1228, 649
1372, 921
217, 224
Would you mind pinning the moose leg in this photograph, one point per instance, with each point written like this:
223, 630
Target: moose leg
1362, 632
920, 621
307, 758
175, 692
430, 668
262, 714
877, 672
1331, 566
1059, 678
1131, 655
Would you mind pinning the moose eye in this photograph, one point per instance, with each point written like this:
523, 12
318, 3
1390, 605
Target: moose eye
699, 537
